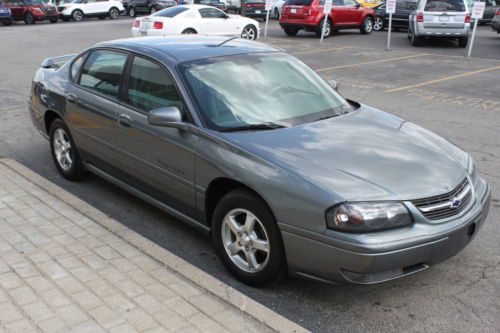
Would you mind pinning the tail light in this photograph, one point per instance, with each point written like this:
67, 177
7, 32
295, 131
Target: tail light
158, 25
467, 18
498, 12
137, 24
420, 17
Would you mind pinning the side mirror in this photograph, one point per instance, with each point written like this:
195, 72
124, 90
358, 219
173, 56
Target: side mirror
357, 5
333, 84
168, 117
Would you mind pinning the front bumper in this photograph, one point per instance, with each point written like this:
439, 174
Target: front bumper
5, 19
360, 264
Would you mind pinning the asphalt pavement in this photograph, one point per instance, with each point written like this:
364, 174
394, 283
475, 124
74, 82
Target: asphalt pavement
433, 86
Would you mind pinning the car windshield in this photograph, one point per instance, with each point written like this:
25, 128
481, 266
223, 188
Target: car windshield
171, 11
78, 1
260, 89
34, 2
445, 6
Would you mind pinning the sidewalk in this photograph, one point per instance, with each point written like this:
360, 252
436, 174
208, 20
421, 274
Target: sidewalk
69, 268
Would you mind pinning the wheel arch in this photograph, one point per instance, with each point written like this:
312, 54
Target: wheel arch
48, 118
219, 187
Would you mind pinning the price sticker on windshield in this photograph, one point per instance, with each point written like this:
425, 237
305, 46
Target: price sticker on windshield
478, 10
269, 4
328, 6
390, 6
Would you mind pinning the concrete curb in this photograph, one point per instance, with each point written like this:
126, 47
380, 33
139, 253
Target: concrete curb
228, 294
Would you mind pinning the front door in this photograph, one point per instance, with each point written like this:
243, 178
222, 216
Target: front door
159, 161
216, 22
340, 14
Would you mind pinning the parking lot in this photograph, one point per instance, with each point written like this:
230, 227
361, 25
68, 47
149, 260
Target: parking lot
434, 86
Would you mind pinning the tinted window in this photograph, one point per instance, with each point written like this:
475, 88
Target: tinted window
299, 2
102, 72
349, 3
75, 67
211, 13
150, 86
445, 6
171, 11
338, 2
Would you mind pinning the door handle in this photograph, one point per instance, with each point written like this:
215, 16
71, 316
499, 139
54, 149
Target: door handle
124, 121
70, 98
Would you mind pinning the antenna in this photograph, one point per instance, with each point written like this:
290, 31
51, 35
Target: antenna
227, 40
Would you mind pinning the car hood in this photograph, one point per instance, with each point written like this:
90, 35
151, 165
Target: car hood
363, 155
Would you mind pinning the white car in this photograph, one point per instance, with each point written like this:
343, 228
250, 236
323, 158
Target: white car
195, 19
79, 9
276, 8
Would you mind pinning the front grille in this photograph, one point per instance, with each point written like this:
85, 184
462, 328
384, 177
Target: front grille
446, 205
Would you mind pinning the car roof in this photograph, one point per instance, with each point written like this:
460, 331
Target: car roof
181, 48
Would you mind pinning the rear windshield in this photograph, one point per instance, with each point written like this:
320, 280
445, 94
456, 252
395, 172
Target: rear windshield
170, 12
299, 2
445, 6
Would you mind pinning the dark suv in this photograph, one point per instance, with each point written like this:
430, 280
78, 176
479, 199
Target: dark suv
214, 3
137, 7
31, 11
308, 15
253, 8
5, 14
399, 19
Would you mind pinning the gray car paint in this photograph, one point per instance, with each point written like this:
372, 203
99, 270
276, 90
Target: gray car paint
300, 171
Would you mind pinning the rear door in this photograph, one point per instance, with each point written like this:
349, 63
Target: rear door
159, 161
91, 104
445, 14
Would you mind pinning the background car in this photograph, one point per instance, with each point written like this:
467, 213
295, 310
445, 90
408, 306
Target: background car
440, 19
5, 14
253, 8
308, 15
32, 11
490, 9
195, 19
495, 23
399, 19
276, 8
137, 7
212, 3
80, 9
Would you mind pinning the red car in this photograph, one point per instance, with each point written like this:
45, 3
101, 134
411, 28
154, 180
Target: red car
308, 15
31, 11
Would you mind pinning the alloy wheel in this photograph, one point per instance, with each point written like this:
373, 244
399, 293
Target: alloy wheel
379, 24
77, 16
62, 149
113, 13
368, 25
245, 240
131, 12
248, 33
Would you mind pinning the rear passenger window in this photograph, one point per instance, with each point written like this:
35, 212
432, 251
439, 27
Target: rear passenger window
102, 72
150, 87
445, 6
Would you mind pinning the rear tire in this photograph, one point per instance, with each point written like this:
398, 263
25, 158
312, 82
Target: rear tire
415, 40
113, 13
378, 25
328, 28
276, 13
67, 160
189, 31
367, 26
462, 42
132, 12
291, 31
258, 243
53, 20
29, 18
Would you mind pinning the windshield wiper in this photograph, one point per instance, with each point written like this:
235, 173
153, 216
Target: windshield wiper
253, 127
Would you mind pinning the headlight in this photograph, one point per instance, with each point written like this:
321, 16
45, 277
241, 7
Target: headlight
471, 169
367, 216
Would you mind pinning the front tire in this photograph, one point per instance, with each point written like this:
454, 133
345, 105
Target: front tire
7, 23
249, 32
276, 13
114, 13
29, 18
77, 15
247, 239
132, 12
64, 152
367, 26
328, 28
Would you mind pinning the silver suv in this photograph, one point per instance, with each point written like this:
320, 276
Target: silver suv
440, 18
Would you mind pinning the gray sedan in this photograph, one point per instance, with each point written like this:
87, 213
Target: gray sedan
252, 147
